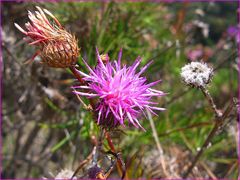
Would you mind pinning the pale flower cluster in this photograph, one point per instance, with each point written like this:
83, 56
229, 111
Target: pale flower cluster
196, 74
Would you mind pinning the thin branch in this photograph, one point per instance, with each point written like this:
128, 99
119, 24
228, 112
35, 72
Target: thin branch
87, 107
211, 102
120, 165
218, 123
210, 173
119, 158
110, 169
76, 74
89, 157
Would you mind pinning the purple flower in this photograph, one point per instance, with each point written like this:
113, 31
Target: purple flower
122, 92
233, 31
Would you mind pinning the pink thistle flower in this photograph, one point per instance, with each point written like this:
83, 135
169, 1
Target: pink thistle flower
57, 47
123, 93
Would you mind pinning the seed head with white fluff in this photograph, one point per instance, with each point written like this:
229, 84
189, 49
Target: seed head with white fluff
197, 74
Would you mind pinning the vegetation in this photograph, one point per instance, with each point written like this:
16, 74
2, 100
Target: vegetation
46, 128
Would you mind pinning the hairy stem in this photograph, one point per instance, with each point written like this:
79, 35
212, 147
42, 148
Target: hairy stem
211, 102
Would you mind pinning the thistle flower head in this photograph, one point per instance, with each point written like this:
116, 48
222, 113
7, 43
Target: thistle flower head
123, 93
58, 48
196, 74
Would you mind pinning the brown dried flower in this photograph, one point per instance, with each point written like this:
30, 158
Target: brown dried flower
58, 48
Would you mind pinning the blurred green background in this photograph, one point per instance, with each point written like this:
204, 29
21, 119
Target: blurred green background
45, 127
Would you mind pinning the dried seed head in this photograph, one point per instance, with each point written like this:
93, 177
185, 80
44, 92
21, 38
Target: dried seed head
61, 54
58, 48
196, 74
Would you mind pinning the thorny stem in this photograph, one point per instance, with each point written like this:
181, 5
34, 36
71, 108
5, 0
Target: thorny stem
218, 123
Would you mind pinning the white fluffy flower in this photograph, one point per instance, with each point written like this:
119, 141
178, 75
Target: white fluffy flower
196, 74
65, 174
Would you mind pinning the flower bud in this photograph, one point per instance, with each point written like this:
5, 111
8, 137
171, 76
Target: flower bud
58, 48
105, 58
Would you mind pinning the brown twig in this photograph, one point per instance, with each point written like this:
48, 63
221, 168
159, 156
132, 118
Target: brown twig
110, 169
76, 74
209, 172
80, 79
120, 164
89, 157
231, 169
181, 15
87, 107
218, 123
